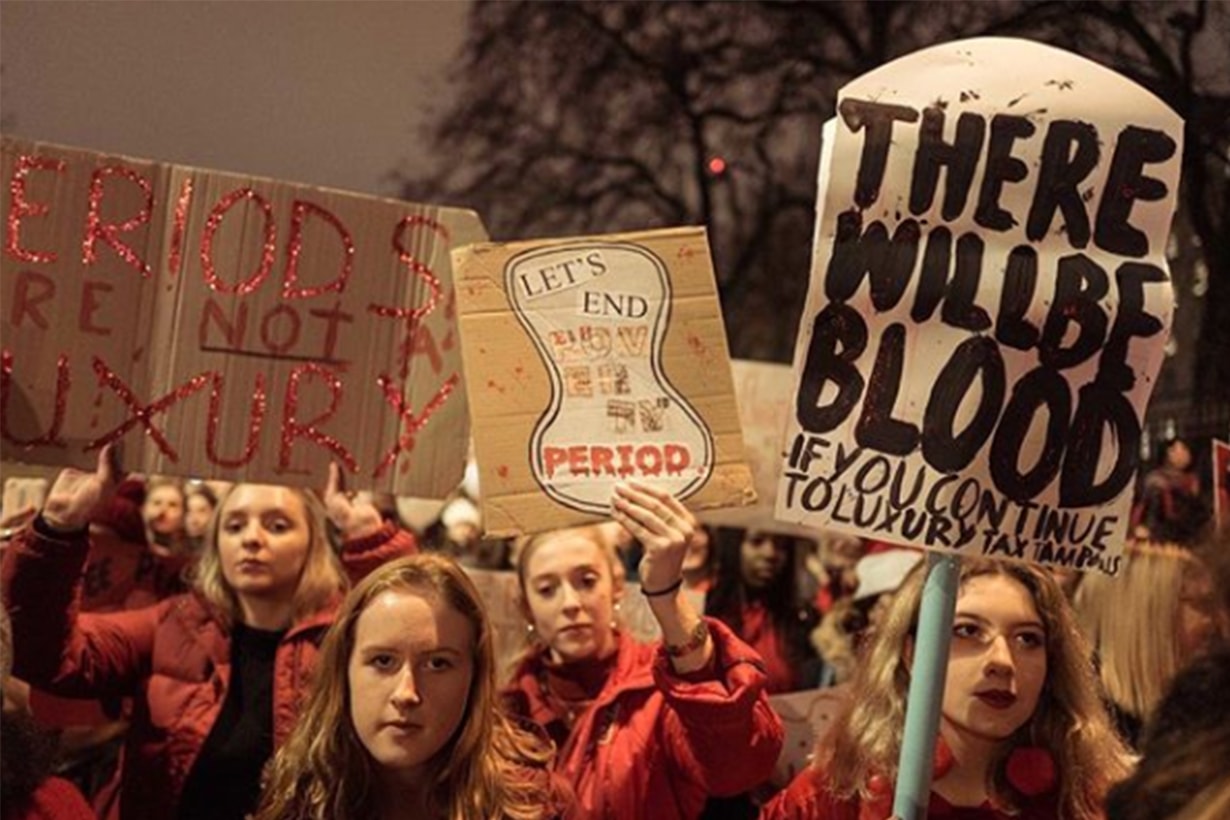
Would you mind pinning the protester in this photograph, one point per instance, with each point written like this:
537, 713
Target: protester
199, 505
643, 730
1171, 507
1185, 748
1146, 625
217, 673
845, 630
404, 719
163, 511
756, 594
1022, 732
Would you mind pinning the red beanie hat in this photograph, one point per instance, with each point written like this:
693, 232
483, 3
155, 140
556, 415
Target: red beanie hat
123, 514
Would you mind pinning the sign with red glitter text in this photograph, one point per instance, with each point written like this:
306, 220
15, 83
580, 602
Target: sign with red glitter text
591, 361
227, 326
988, 307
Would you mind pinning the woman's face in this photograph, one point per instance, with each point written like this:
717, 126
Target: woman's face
196, 519
570, 596
163, 510
263, 540
997, 661
1178, 455
409, 679
761, 559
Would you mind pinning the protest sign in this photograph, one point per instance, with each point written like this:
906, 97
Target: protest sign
764, 392
988, 305
595, 360
227, 326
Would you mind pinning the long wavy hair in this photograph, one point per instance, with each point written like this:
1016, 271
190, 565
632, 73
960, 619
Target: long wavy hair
1132, 622
321, 580
1070, 720
489, 769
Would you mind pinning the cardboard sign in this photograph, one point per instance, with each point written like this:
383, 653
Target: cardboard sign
1221, 483
591, 361
765, 395
988, 305
227, 326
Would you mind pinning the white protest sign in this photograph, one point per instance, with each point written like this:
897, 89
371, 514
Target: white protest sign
989, 301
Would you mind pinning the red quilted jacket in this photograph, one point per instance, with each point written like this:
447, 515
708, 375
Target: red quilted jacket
654, 743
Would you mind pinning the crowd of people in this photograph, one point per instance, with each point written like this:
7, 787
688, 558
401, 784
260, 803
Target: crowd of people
203, 650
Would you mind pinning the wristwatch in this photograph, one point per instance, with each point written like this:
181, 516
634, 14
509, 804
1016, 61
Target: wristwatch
696, 639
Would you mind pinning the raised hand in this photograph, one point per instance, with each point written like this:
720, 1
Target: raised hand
662, 524
354, 514
75, 495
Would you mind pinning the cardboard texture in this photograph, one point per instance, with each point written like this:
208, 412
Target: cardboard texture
227, 326
765, 395
988, 306
592, 360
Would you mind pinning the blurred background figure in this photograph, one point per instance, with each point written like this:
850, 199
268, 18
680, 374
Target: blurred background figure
199, 505
700, 563
1184, 770
831, 568
847, 627
1146, 624
163, 511
1172, 508
756, 593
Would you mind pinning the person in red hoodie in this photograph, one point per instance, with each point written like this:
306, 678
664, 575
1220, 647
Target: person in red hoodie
218, 674
1023, 733
643, 730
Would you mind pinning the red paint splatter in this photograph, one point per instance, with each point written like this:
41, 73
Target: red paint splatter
502, 471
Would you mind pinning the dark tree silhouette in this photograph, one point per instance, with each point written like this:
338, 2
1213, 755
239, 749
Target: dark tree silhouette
586, 117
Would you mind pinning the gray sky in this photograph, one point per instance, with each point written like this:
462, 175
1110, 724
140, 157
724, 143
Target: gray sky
328, 93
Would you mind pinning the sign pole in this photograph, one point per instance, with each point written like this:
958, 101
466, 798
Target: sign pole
922, 712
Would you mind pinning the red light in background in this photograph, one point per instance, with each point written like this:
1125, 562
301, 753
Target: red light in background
717, 166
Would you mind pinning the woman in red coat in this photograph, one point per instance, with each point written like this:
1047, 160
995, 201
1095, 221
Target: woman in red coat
217, 674
643, 730
1023, 733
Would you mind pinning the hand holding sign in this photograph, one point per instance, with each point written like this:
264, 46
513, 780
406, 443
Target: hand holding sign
662, 524
75, 495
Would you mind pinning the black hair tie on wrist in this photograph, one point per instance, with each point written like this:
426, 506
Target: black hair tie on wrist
660, 592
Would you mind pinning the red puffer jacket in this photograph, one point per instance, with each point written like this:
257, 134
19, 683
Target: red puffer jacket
654, 744
174, 657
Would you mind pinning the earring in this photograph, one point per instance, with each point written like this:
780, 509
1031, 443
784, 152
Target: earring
615, 613
1030, 770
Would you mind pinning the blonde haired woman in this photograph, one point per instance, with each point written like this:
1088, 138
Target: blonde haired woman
404, 720
217, 674
1022, 731
1146, 625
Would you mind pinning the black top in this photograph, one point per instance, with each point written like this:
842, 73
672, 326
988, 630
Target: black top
225, 779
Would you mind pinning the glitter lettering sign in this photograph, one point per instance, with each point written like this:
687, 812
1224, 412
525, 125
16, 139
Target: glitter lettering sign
227, 326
